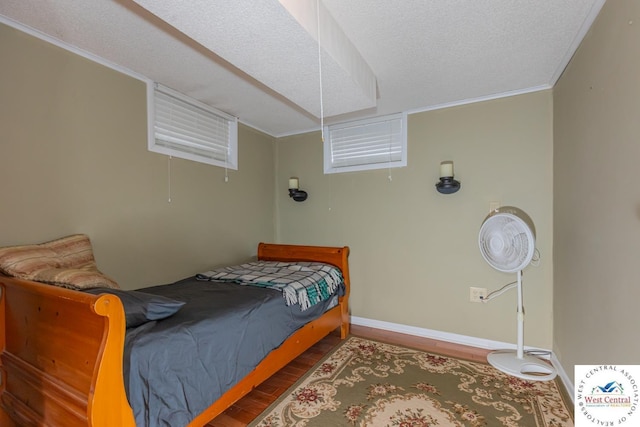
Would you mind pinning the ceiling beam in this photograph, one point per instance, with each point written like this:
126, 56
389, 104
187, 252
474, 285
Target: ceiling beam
276, 43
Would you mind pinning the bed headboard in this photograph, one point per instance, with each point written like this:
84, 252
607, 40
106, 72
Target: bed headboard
331, 255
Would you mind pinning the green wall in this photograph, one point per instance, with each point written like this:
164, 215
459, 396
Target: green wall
75, 160
415, 251
596, 196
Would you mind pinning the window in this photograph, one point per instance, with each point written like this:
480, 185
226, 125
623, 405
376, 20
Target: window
185, 128
377, 143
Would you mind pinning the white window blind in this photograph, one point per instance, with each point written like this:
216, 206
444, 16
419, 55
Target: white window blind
377, 143
189, 129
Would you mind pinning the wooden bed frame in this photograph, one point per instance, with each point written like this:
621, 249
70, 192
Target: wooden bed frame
61, 351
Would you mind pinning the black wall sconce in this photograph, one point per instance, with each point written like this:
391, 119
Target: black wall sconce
447, 184
294, 190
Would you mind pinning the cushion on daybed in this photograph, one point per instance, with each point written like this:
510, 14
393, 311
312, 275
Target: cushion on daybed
141, 307
66, 262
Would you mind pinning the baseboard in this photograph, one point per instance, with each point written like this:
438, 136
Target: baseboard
437, 335
463, 340
562, 374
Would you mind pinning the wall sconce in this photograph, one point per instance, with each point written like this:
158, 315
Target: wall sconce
447, 184
294, 191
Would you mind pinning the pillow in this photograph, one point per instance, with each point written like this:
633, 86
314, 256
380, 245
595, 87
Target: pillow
22, 261
66, 262
75, 278
141, 307
74, 251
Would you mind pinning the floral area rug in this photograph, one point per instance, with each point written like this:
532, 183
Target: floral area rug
368, 383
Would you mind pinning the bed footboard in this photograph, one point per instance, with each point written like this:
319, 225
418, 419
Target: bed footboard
61, 357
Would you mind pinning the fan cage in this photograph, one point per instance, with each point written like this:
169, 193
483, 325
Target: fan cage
506, 242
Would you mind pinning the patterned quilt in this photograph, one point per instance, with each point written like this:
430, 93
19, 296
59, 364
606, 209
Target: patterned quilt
303, 283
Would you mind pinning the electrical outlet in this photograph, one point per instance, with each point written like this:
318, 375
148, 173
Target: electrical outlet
476, 294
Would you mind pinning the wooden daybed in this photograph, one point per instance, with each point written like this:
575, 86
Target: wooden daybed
61, 351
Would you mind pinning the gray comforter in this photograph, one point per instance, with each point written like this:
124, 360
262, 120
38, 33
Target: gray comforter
177, 367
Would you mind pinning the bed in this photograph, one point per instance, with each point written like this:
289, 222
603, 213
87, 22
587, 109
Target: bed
62, 350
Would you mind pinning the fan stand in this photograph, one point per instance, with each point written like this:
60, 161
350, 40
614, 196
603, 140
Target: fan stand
515, 362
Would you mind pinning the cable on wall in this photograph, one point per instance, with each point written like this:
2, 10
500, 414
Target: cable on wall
320, 72
169, 178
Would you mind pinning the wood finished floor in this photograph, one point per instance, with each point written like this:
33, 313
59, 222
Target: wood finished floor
249, 407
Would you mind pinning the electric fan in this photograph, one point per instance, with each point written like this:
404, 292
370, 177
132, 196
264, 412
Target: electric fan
507, 243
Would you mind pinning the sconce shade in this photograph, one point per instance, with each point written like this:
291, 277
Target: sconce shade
447, 185
446, 169
294, 192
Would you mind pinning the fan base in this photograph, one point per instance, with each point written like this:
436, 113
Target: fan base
528, 367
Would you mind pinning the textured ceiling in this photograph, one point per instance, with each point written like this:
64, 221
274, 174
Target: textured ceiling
259, 61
